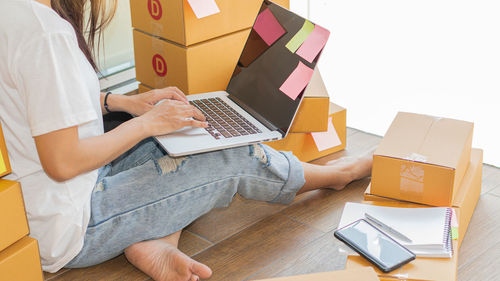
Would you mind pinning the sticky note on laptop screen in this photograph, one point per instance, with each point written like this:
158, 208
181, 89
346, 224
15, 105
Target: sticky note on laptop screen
314, 43
268, 27
3, 169
297, 81
204, 8
301, 36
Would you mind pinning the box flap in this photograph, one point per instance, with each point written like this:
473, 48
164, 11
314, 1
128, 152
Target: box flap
424, 138
364, 273
334, 108
316, 87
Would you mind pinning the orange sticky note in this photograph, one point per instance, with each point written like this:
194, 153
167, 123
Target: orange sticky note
328, 139
316, 41
297, 81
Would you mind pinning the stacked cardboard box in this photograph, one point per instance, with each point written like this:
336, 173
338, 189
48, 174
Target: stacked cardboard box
19, 256
173, 47
426, 161
316, 114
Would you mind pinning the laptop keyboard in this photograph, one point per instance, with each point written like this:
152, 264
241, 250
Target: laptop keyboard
224, 121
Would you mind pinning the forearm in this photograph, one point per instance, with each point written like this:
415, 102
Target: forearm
116, 103
64, 160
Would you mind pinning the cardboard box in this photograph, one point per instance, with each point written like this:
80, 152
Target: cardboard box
364, 274
143, 88
312, 115
13, 222
21, 261
302, 144
204, 67
466, 197
5, 168
421, 159
175, 20
420, 269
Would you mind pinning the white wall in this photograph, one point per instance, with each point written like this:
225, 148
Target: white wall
435, 57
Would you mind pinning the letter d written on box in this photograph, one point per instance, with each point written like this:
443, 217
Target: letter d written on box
155, 9
159, 65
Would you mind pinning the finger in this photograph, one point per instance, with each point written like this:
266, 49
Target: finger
194, 123
198, 115
176, 94
179, 92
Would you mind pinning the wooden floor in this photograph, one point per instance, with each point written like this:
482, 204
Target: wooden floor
253, 240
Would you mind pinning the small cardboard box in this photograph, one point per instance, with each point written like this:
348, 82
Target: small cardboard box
143, 88
364, 274
13, 222
175, 20
466, 196
204, 67
21, 261
421, 159
4, 156
302, 144
420, 269
312, 115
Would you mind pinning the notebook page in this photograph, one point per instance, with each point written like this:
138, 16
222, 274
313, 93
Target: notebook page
424, 226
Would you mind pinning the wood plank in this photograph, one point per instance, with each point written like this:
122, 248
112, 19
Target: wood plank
483, 267
191, 244
221, 223
321, 255
115, 269
269, 240
482, 232
491, 180
322, 209
49, 276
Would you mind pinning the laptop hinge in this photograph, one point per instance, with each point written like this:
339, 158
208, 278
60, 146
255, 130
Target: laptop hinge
256, 115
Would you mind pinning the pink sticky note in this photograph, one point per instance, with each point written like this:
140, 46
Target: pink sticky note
297, 81
454, 220
268, 27
204, 8
328, 139
314, 43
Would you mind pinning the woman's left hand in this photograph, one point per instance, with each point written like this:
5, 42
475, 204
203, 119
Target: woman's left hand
142, 103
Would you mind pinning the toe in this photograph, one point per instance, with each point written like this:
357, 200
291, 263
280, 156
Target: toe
201, 270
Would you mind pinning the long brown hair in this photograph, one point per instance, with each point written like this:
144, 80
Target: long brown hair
91, 24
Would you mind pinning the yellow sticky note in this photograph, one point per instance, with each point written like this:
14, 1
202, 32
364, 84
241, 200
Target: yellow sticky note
454, 233
3, 169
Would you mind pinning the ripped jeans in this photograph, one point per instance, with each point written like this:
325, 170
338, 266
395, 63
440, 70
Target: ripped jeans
146, 195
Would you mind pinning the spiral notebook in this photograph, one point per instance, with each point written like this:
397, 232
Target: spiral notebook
429, 229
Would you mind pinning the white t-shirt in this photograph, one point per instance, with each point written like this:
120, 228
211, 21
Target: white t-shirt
46, 84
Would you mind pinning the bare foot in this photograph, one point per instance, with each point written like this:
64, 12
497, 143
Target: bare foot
162, 261
350, 169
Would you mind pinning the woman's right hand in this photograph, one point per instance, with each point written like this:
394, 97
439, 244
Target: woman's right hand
171, 115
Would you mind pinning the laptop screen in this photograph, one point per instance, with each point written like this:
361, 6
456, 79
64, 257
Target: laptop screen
276, 65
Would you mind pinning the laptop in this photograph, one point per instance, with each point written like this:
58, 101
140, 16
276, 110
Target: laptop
264, 92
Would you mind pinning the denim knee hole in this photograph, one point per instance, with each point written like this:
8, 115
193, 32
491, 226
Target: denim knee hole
167, 164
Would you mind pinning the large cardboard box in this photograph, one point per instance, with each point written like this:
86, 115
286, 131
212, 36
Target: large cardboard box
302, 144
175, 20
13, 222
361, 274
422, 158
204, 67
4, 156
420, 269
312, 115
466, 197
21, 261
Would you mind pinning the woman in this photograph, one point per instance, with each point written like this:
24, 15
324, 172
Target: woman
92, 195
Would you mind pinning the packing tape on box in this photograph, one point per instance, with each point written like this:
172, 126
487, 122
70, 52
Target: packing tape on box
412, 176
156, 28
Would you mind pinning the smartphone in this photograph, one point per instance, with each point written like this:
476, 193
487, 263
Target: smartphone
374, 245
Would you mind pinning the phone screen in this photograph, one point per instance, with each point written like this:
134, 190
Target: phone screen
376, 246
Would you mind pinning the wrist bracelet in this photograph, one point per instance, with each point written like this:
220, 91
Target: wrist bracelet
106, 102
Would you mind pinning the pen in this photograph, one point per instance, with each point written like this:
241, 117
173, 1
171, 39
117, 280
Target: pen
387, 228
